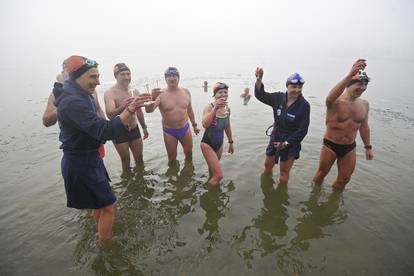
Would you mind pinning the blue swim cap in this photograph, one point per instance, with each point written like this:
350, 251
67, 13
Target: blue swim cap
295, 78
171, 71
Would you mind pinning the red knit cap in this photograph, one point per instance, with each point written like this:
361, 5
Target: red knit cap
73, 63
76, 66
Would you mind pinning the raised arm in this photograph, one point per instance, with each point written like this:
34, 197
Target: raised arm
209, 112
110, 106
49, 117
156, 96
85, 119
99, 110
365, 134
339, 88
260, 93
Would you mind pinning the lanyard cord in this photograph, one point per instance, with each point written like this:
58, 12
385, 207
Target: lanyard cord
267, 130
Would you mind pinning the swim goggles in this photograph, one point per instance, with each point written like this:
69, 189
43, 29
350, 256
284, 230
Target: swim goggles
295, 79
171, 71
90, 63
362, 76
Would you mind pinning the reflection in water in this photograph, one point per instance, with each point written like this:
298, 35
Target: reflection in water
115, 256
268, 236
274, 212
181, 191
149, 206
318, 214
319, 211
214, 202
264, 237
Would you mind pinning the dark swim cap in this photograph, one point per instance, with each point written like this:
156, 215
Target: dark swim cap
120, 67
219, 85
360, 77
76, 66
171, 71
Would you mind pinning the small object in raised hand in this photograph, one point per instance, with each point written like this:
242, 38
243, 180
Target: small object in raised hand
149, 103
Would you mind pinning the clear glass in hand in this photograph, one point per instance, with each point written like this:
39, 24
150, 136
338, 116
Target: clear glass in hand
224, 110
136, 93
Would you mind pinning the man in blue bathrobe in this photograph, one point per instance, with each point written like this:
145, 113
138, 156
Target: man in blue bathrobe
81, 133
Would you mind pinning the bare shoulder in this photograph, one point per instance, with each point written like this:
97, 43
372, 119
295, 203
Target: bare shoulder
186, 91
366, 105
331, 106
207, 108
363, 103
109, 91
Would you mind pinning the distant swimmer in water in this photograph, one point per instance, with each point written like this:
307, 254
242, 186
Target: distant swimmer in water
174, 103
346, 114
205, 86
246, 96
216, 121
116, 100
291, 122
49, 117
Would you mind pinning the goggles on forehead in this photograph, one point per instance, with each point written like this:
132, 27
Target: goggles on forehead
90, 63
295, 81
171, 71
362, 76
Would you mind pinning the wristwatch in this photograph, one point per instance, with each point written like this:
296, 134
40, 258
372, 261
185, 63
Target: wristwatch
368, 147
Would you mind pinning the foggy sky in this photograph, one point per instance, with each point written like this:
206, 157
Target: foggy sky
47, 31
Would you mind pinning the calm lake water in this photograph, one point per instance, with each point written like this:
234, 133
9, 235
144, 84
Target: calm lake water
168, 223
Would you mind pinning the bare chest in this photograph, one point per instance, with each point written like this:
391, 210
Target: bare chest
349, 111
119, 96
173, 101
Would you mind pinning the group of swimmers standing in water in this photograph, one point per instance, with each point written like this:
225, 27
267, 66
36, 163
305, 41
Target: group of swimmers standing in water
84, 128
